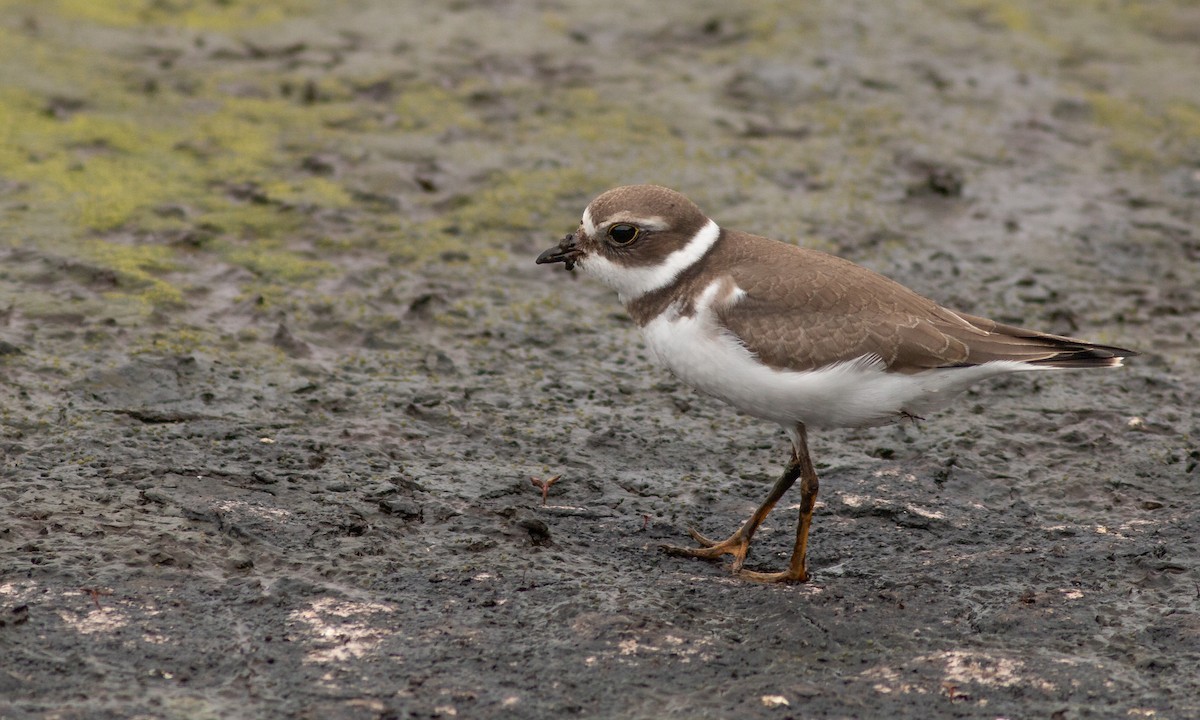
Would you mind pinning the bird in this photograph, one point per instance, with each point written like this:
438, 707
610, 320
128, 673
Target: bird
790, 335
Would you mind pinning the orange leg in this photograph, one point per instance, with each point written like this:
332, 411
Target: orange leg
738, 544
798, 566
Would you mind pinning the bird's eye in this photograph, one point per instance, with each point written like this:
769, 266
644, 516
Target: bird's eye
623, 234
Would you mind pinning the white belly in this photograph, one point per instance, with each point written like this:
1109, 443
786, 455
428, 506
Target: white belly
858, 392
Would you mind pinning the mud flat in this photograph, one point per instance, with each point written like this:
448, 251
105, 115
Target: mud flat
276, 366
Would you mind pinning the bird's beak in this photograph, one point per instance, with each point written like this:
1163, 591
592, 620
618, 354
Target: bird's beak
566, 252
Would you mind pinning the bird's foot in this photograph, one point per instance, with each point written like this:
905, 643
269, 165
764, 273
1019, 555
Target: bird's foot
737, 545
544, 486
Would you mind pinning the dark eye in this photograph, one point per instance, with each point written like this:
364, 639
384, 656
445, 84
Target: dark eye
623, 234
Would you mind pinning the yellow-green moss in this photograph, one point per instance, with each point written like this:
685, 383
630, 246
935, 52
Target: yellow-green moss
1135, 134
136, 267
115, 157
431, 109
1183, 123
308, 191
1012, 16
97, 170
223, 15
102, 171
178, 341
582, 116
275, 264
518, 201
1172, 21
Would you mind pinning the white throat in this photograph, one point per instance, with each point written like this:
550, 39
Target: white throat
633, 282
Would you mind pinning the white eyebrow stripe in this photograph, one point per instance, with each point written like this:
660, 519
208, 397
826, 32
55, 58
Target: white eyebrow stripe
589, 227
651, 224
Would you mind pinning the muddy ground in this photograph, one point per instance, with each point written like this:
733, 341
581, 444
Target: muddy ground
278, 367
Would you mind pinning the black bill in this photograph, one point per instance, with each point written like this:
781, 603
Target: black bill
565, 252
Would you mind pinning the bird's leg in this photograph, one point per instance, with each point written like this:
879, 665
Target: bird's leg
798, 567
738, 544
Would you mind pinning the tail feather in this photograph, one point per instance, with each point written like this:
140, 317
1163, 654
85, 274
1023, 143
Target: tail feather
1084, 358
1008, 342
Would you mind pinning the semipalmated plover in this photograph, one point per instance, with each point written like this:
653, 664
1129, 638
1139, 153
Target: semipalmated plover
792, 335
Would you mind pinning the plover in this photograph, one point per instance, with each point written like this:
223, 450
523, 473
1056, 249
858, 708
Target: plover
792, 335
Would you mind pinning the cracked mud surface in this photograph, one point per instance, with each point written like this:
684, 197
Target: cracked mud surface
277, 366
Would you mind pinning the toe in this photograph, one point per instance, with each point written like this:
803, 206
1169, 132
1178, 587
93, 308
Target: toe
706, 542
777, 577
707, 553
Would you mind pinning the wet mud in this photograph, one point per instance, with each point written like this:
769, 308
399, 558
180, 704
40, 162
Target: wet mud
277, 368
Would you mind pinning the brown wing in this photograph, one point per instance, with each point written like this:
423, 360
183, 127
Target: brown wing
808, 309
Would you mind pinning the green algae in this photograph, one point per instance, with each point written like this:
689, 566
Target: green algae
1014, 17
276, 264
116, 157
1145, 135
429, 109
1150, 119
212, 155
123, 156
137, 267
517, 200
96, 172
227, 15
509, 203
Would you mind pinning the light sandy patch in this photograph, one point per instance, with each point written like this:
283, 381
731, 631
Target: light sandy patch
337, 638
264, 513
101, 620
